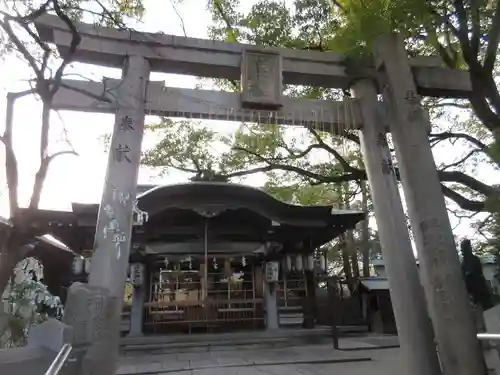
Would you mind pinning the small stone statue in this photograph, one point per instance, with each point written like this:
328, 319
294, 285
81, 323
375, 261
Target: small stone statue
475, 282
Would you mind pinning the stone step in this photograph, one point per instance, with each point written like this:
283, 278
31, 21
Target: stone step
209, 342
280, 338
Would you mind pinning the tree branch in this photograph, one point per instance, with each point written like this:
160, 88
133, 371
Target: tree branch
463, 202
345, 165
461, 160
476, 28
21, 48
272, 165
41, 176
75, 42
476, 142
101, 98
11, 171
357, 175
36, 13
493, 40
469, 181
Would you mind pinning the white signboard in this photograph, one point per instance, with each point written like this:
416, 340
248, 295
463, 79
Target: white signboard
272, 271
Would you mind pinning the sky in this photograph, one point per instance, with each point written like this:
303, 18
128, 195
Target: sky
80, 178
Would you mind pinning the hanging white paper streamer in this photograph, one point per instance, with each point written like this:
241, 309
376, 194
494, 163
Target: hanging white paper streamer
288, 263
87, 265
310, 263
298, 263
322, 261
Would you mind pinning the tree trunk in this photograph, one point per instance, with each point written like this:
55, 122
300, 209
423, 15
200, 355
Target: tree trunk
7, 264
346, 264
353, 250
365, 233
8, 261
349, 244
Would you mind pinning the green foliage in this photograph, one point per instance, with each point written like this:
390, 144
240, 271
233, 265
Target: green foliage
291, 159
24, 304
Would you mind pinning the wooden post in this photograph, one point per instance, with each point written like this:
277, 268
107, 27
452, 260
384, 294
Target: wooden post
459, 349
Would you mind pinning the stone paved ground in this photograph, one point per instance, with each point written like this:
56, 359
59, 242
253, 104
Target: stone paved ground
251, 360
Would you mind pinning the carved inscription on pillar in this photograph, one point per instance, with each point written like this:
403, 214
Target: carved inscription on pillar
90, 312
434, 238
115, 219
386, 164
261, 80
415, 112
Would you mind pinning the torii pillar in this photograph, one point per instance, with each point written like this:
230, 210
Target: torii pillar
458, 347
407, 295
94, 309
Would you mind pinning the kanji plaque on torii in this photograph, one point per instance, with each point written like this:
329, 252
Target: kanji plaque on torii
261, 79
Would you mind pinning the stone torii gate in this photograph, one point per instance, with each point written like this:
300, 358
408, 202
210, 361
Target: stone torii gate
94, 309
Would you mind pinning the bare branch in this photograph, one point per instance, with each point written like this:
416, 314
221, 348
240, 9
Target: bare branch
463, 202
75, 41
457, 163
36, 13
176, 10
469, 181
315, 177
41, 176
345, 165
476, 142
21, 48
451, 104
101, 98
119, 24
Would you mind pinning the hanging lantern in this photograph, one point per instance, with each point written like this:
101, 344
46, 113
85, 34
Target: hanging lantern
87, 265
298, 263
243, 261
214, 264
322, 262
288, 263
189, 261
310, 263
77, 265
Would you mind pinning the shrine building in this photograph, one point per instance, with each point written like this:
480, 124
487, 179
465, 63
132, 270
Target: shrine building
211, 256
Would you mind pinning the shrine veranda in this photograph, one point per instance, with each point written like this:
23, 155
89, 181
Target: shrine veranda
263, 72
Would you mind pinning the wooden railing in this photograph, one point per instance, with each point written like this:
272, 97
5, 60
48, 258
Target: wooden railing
211, 315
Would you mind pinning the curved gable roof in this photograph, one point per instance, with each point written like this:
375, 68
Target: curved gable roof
215, 197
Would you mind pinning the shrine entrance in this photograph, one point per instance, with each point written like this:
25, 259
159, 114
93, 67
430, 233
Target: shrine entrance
262, 72
204, 256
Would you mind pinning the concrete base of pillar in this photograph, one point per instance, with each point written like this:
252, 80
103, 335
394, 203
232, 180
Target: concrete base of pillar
94, 315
